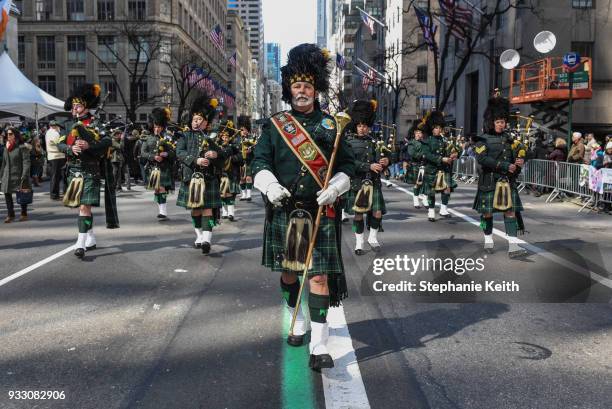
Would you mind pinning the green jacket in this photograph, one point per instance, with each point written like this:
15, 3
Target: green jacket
494, 154
364, 150
273, 154
432, 153
189, 149
15, 169
150, 148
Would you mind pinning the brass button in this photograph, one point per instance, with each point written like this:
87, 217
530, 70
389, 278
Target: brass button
301, 186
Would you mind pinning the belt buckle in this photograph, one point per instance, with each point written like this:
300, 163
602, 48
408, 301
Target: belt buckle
298, 204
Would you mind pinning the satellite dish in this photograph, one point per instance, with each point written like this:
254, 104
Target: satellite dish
545, 42
509, 59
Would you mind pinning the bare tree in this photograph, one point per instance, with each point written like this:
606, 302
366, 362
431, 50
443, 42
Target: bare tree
470, 36
144, 45
188, 70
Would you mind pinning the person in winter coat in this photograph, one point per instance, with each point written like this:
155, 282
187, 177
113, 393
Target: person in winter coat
558, 154
15, 172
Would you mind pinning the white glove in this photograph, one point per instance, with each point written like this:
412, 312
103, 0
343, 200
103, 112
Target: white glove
276, 193
338, 185
266, 182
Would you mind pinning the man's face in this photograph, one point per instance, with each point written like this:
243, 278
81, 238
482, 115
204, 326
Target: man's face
157, 130
500, 125
225, 137
244, 132
437, 131
197, 123
78, 109
418, 135
576, 138
302, 96
362, 129
590, 137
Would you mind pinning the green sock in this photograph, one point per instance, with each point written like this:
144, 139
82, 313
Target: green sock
358, 226
249, 185
432, 201
197, 221
445, 198
318, 306
162, 198
242, 186
85, 223
208, 222
486, 224
511, 226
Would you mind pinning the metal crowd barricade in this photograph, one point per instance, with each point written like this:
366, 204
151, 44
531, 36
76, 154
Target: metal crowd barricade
464, 169
538, 172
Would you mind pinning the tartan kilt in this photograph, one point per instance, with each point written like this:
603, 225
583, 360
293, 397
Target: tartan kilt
430, 181
91, 186
483, 202
325, 258
248, 170
411, 174
212, 196
378, 201
166, 180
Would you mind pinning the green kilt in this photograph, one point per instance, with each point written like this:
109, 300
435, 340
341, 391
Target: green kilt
326, 258
166, 180
212, 196
483, 202
248, 170
411, 174
378, 201
234, 186
91, 185
429, 183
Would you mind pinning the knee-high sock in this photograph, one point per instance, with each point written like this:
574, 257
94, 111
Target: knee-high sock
318, 306
208, 222
160, 198
486, 223
511, 226
197, 221
85, 223
431, 199
249, 185
445, 198
358, 226
290, 292
375, 222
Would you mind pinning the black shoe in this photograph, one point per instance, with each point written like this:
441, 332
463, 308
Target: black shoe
55, 198
431, 219
446, 216
359, 252
112, 225
224, 217
242, 199
162, 217
231, 218
80, 253
248, 199
197, 245
295, 340
417, 207
90, 248
375, 249
517, 254
205, 247
317, 362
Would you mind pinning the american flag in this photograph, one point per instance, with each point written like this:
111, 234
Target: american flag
216, 35
368, 21
369, 78
340, 61
458, 19
232, 59
429, 30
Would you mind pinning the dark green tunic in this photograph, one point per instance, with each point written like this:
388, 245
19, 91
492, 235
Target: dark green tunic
433, 150
151, 148
273, 154
188, 150
231, 167
494, 154
364, 150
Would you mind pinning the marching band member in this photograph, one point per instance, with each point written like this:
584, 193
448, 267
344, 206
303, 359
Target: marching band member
247, 142
230, 186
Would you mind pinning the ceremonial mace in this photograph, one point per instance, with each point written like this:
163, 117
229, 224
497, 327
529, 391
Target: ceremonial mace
342, 120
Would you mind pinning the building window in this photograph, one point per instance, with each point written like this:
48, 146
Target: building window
142, 91
109, 87
47, 84
422, 73
137, 10
44, 9
46, 52
583, 48
582, 4
107, 49
21, 52
76, 51
106, 10
75, 81
139, 49
75, 10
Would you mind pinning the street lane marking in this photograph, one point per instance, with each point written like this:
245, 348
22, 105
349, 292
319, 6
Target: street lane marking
528, 246
35, 266
342, 385
296, 377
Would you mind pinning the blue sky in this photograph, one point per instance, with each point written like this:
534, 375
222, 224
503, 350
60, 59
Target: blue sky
289, 23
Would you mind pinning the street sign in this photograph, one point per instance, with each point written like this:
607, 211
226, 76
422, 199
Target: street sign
581, 76
571, 61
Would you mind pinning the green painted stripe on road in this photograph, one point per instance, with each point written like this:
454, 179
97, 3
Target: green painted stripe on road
297, 378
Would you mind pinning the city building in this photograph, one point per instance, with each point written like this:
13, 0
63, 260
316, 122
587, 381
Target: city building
237, 42
65, 43
579, 25
273, 62
252, 16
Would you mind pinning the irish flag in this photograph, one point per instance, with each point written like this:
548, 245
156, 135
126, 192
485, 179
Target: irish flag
5, 7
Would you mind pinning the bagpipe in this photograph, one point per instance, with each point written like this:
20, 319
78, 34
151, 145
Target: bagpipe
162, 145
197, 185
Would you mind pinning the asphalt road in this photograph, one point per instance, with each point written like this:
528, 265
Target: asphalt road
146, 321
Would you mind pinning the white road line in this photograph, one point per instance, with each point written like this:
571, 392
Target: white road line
532, 248
34, 266
342, 384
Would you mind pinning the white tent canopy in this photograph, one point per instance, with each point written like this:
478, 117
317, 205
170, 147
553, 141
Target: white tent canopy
19, 96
